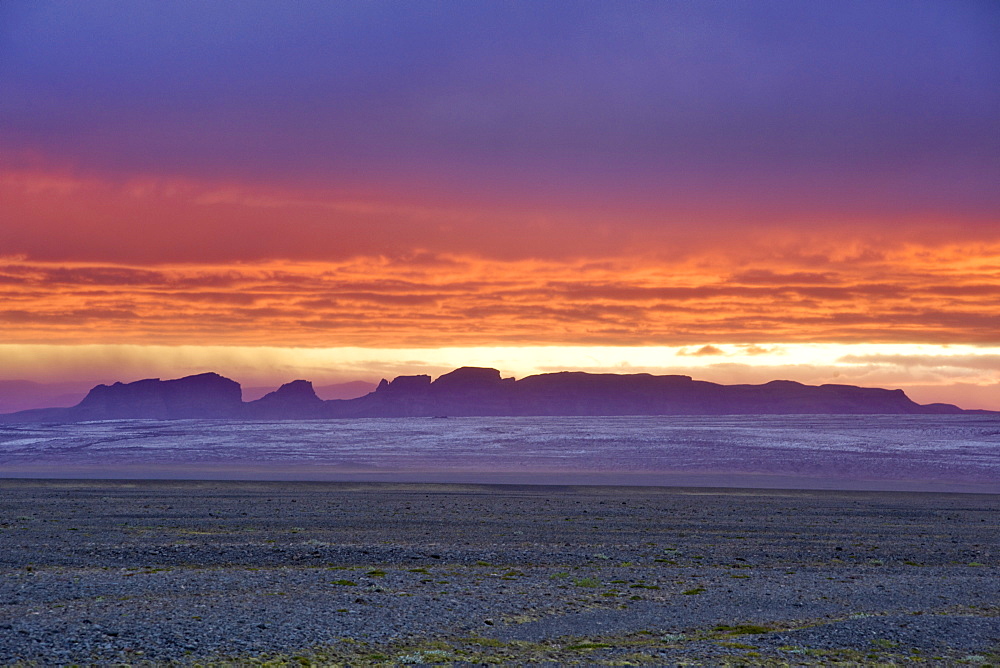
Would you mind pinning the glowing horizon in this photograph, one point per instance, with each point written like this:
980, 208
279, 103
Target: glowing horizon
964, 375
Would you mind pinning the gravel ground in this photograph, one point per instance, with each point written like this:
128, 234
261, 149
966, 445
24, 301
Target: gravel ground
202, 572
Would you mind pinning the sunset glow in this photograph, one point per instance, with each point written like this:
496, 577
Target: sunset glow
531, 187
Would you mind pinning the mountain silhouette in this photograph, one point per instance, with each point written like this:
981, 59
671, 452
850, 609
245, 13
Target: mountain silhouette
206, 395
291, 401
475, 391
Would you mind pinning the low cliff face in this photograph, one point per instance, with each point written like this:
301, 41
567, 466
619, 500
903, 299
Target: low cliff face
296, 400
206, 395
473, 391
477, 391
578, 393
464, 391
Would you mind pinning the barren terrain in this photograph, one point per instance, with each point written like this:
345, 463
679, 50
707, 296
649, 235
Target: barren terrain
191, 572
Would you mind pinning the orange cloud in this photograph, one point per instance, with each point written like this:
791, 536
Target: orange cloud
176, 262
475, 301
704, 351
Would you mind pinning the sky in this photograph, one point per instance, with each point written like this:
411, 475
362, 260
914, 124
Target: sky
739, 191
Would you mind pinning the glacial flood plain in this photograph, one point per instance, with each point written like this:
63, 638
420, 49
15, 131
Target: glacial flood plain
880, 452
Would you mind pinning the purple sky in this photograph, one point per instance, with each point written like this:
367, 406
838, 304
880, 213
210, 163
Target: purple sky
842, 105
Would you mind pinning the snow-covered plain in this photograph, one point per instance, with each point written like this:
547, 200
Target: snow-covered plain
960, 453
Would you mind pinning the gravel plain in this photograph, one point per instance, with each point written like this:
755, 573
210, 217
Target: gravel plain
184, 572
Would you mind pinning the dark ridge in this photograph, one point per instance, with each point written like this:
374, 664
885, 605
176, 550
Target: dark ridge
205, 395
292, 401
471, 391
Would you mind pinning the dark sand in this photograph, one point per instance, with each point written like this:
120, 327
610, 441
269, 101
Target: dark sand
160, 571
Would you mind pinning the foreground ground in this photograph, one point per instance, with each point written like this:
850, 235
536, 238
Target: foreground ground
194, 572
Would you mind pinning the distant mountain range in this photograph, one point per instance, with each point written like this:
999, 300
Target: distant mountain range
474, 391
19, 395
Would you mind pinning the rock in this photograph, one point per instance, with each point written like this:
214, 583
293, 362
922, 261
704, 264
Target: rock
469, 378
291, 401
206, 395
410, 384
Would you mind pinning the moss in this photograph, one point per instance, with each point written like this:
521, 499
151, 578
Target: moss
587, 646
882, 642
742, 629
484, 642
